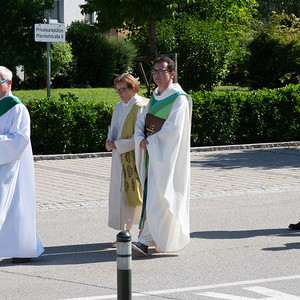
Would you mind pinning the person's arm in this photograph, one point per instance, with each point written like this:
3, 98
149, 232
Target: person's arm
139, 135
13, 143
109, 144
126, 145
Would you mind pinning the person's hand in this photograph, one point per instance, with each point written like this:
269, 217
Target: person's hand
111, 144
143, 144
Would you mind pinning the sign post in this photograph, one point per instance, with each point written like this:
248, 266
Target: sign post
49, 33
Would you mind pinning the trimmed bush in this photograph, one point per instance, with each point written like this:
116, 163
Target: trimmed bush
67, 125
254, 117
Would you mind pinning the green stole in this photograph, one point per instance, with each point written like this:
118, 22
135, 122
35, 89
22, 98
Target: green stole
132, 184
162, 108
159, 109
7, 103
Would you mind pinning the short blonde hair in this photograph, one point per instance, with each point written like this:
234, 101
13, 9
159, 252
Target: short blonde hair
129, 80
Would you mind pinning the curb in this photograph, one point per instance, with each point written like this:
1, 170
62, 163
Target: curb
194, 149
247, 146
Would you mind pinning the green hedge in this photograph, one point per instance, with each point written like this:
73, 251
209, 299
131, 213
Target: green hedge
253, 117
69, 125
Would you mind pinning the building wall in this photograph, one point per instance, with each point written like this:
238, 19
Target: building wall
67, 11
72, 11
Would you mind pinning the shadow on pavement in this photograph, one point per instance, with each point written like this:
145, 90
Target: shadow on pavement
77, 254
243, 234
288, 246
83, 254
263, 158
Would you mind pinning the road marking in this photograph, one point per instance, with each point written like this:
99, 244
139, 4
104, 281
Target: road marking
273, 294
195, 288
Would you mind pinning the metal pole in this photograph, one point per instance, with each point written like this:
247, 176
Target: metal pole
48, 66
176, 69
124, 265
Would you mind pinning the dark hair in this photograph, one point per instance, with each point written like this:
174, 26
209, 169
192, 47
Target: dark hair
168, 60
129, 80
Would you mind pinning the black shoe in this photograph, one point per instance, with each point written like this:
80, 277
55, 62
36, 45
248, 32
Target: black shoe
295, 226
20, 260
139, 247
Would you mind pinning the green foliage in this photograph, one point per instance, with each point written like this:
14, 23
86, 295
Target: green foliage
70, 125
204, 49
97, 58
17, 33
253, 117
214, 118
275, 53
93, 55
228, 12
124, 54
128, 14
61, 60
132, 14
67, 125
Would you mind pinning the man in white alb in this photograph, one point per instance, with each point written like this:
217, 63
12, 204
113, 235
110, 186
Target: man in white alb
18, 237
163, 163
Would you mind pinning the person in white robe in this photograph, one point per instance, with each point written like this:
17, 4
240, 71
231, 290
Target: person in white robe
125, 193
163, 164
18, 238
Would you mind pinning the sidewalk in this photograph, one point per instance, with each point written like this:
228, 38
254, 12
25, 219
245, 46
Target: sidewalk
215, 171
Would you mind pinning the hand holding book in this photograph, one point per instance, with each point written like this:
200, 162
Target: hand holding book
153, 124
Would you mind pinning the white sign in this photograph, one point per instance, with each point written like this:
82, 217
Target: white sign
50, 33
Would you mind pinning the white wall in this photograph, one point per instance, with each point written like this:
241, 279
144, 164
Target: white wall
72, 11
67, 11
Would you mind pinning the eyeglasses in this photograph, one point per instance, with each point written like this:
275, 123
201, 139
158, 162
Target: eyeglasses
3, 80
159, 72
121, 91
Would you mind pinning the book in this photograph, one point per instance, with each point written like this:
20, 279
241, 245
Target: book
153, 124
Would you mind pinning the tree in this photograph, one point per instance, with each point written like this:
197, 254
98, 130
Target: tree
275, 51
61, 64
17, 19
228, 12
132, 14
94, 56
203, 46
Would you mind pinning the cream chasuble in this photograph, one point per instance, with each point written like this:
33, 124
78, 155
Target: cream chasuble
121, 216
168, 191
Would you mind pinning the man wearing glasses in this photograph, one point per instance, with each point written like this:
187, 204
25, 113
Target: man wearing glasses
162, 143
18, 237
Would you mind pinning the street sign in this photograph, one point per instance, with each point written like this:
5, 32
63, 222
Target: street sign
50, 33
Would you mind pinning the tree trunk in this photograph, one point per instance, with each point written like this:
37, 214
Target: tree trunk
152, 37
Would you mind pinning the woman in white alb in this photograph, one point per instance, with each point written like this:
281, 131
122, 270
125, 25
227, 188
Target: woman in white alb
125, 193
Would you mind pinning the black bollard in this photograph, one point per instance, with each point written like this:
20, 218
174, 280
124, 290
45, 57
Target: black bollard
124, 265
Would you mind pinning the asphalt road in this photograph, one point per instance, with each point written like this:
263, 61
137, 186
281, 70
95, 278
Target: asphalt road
241, 204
